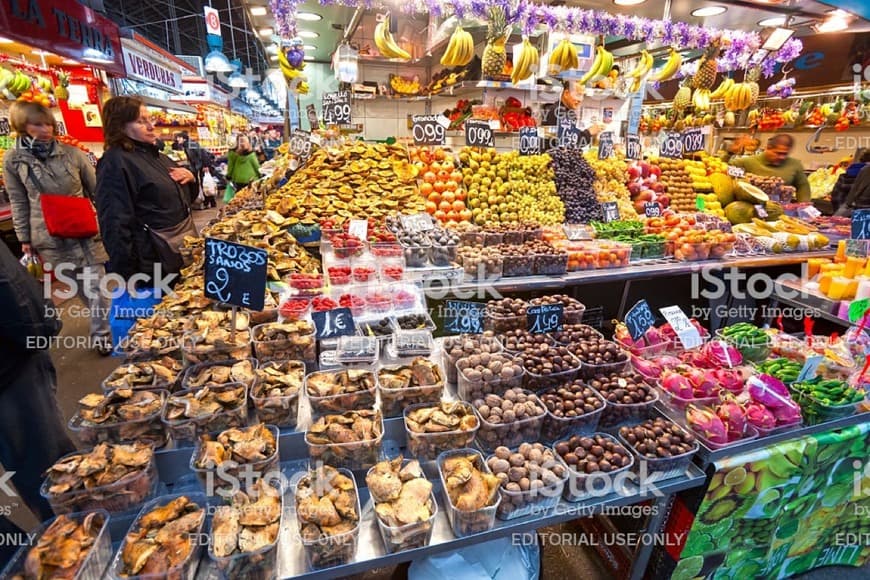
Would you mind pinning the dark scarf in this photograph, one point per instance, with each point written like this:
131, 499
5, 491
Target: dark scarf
38, 148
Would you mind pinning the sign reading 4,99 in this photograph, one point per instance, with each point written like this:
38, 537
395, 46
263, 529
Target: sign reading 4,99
336, 108
427, 130
478, 133
235, 274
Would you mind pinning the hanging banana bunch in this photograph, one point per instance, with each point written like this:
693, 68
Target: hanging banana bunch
675, 60
460, 48
601, 66
640, 72
527, 62
387, 44
563, 58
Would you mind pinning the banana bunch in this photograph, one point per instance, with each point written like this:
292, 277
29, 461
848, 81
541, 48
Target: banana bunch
526, 63
404, 86
287, 69
600, 66
701, 100
789, 225
13, 83
302, 88
387, 44
640, 71
738, 97
723, 88
460, 49
563, 57
672, 65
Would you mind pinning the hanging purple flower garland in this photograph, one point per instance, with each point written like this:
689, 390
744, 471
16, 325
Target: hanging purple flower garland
739, 46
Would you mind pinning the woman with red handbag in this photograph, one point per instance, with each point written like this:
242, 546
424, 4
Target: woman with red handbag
51, 186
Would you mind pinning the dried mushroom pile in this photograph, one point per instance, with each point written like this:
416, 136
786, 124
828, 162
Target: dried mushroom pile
442, 418
402, 495
250, 523
221, 374
161, 541
103, 465
327, 511
279, 379
204, 403
118, 406
249, 445
350, 427
421, 372
62, 549
143, 375
468, 487
347, 382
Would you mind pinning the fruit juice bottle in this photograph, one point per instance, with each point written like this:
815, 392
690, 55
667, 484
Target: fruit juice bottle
854, 265
825, 283
838, 288
852, 290
835, 269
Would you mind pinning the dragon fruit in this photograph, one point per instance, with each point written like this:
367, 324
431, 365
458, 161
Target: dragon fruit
648, 368
707, 423
622, 336
702, 382
676, 384
728, 379
760, 416
734, 418
654, 340
787, 414
696, 358
769, 391
722, 354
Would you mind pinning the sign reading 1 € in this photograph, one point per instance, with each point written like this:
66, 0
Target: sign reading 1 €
235, 274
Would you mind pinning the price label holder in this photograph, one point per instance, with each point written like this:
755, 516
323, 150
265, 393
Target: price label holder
694, 140
611, 211
427, 130
418, 222
568, 136
639, 319
810, 368
300, 144
858, 308
735, 171
359, 229
760, 211
632, 147
333, 323
235, 274
684, 329
672, 146
861, 224
652, 209
700, 204
336, 108
462, 317
478, 133
545, 318
530, 142
605, 145
311, 113
5, 127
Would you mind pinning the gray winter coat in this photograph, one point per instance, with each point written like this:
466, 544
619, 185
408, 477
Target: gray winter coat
66, 170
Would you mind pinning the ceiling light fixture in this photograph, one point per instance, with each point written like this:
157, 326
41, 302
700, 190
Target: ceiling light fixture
308, 57
266, 31
772, 22
258, 10
628, 2
216, 61
709, 11
836, 21
273, 57
308, 16
237, 81
307, 34
309, 47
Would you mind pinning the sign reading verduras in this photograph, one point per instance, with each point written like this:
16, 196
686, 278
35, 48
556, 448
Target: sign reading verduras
235, 274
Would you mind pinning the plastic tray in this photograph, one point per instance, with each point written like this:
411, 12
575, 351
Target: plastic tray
778, 429
395, 401
465, 523
364, 325
443, 255
559, 427
518, 265
680, 404
148, 429
582, 486
391, 269
534, 382
486, 268
386, 250
333, 550
551, 264
220, 480
492, 238
616, 415
511, 435
195, 369
155, 383
692, 252
356, 455
411, 343
450, 361
407, 298
427, 446
194, 353
662, 468
751, 433
93, 565
339, 272
364, 271
302, 346
283, 410
357, 350
469, 390
343, 401
752, 352
590, 371
416, 256
188, 430
408, 536
186, 570
516, 504
429, 323
647, 352
501, 324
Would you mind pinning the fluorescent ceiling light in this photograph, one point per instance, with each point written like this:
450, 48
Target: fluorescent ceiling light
772, 22
628, 2
836, 21
309, 47
238, 81
776, 39
266, 31
308, 57
307, 34
308, 16
258, 10
709, 11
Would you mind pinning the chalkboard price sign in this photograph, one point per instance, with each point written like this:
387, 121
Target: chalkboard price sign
333, 323
652, 209
530, 142
632, 147
478, 133
611, 211
462, 317
235, 274
427, 130
300, 144
545, 318
861, 224
672, 146
569, 136
639, 319
605, 145
693, 140
336, 108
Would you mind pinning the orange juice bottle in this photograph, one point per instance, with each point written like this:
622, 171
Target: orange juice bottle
814, 265
852, 290
838, 288
825, 282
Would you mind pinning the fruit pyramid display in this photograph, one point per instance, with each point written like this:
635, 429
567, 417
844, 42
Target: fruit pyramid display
677, 182
440, 183
575, 184
494, 53
485, 179
611, 176
532, 190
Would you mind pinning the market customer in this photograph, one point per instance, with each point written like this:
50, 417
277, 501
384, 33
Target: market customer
142, 198
242, 164
845, 183
775, 161
39, 164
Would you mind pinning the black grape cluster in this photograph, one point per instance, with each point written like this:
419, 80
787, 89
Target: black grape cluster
574, 178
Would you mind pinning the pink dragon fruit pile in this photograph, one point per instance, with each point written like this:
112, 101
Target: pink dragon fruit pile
713, 355
724, 423
652, 369
688, 382
651, 343
668, 333
768, 403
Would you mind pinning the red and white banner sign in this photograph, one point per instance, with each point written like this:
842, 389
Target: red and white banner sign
212, 21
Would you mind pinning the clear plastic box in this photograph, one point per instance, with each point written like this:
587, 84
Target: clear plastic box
409, 343
500, 324
186, 570
559, 427
355, 455
294, 309
394, 401
234, 472
472, 237
516, 504
334, 550
340, 402
338, 272
148, 429
416, 256
308, 285
300, 345
511, 435
646, 352
751, 433
195, 351
427, 446
465, 523
93, 565
616, 415
590, 371
450, 361
187, 430
357, 350
516, 265
386, 250
407, 298
194, 370
513, 237
391, 269
692, 252
399, 319
551, 264
534, 382
664, 467
679, 403
581, 486
365, 271
751, 351
409, 536
479, 267
378, 326
491, 238
123, 495
469, 390
281, 410
118, 378
778, 429
443, 255
378, 302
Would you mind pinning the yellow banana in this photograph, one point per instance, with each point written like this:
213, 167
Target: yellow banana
387, 45
643, 65
468, 49
557, 58
723, 88
596, 66
449, 56
572, 53
675, 60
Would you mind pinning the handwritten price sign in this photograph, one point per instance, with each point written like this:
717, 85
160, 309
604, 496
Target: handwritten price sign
479, 133
530, 142
672, 146
333, 323
462, 317
427, 130
605, 145
336, 108
632, 147
639, 319
545, 318
235, 274
694, 140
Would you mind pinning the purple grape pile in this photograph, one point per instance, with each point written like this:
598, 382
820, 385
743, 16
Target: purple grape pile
574, 178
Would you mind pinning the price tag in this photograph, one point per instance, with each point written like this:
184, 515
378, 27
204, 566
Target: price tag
427, 130
545, 318
810, 368
5, 128
700, 204
672, 146
611, 211
311, 113
462, 317
652, 209
568, 136
760, 211
639, 319
336, 108
605, 145
359, 229
858, 308
333, 323
478, 133
418, 222
694, 140
300, 144
861, 224
530, 142
235, 274
735, 171
684, 329
632, 147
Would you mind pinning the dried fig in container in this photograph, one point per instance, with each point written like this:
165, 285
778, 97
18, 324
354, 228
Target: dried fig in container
471, 491
432, 429
419, 382
276, 393
532, 479
405, 504
594, 464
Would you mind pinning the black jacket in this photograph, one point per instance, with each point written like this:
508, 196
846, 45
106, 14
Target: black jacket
134, 189
844, 184
859, 193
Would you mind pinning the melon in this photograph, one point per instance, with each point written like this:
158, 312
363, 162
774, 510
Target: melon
723, 187
739, 212
774, 211
747, 192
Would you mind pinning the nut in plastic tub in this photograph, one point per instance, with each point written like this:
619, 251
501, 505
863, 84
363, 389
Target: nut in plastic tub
422, 381
486, 374
464, 345
286, 341
471, 491
351, 440
405, 504
548, 366
121, 416
597, 465
171, 524
328, 539
192, 412
338, 391
532, 479
573, 408
572, 309
434, 428
661, 447
84, 540
509, 420
275, 395
235, 455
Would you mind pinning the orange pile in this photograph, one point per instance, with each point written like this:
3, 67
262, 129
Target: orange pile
440, 183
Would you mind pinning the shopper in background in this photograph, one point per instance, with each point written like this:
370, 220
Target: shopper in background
198, 159
775, 161
242, 166
142, 199
39, 164
32, 433
859, 193
847, 179
258, 144
272, 142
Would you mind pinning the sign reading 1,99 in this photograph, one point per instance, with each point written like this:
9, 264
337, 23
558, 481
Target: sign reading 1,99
427, 130
336, 108
478, 133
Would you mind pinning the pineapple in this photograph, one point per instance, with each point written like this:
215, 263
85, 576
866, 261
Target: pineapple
683, 98
494, 55
751, 78
705, 78
61, 92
